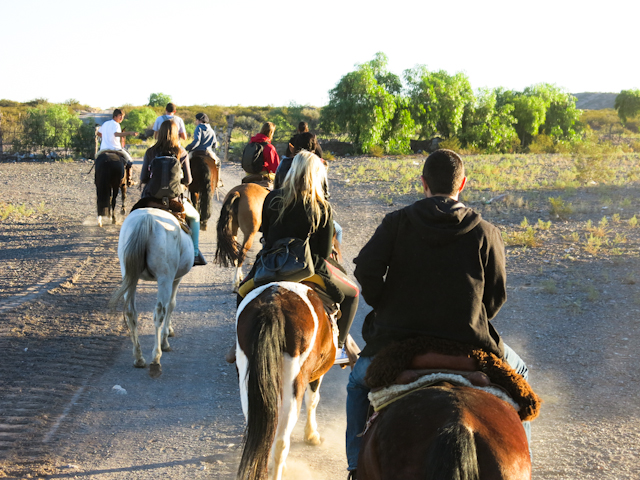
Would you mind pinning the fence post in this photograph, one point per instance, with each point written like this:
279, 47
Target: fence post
1, 143
230, 120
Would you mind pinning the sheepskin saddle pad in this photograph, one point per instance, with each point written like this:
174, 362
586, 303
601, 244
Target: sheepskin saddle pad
403, 363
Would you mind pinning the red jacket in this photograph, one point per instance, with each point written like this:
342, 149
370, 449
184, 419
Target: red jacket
271, 158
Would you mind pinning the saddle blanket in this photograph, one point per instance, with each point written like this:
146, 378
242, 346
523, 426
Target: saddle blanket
386, 396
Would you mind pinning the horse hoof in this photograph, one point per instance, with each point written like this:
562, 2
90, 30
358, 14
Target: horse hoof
313, 440
155, 370
113, 221
140, 363
166, 348
203, 227
172, 333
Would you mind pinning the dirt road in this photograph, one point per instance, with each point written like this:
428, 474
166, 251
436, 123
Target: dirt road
62, 353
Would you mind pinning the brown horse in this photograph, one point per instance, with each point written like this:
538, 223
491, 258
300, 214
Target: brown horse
205, 175
241, 209
112, 174
285, 345
445, 432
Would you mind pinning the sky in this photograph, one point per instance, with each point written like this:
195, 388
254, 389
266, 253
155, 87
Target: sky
113, 53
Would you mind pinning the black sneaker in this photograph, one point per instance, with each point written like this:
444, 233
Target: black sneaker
352, 475
199, 260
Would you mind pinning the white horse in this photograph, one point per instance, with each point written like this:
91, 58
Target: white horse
152, 247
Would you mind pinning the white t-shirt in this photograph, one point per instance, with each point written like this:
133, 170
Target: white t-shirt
176, 119
109, 139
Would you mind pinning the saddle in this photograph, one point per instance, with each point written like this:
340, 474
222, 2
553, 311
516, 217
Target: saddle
406, 362
174, 207
263, 179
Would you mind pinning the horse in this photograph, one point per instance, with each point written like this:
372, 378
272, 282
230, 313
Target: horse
111, 175
285, 345
152, 247
445, 432
205, 175
241, 209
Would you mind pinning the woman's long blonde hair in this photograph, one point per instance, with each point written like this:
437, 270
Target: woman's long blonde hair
306, 180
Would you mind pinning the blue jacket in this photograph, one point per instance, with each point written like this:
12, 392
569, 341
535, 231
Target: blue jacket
203, 137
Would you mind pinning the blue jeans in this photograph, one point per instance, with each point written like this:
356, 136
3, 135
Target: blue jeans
358, 402
193, 219
338, 230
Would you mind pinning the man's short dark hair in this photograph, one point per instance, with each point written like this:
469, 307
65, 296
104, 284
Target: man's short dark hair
305, 141
303, 127
116, 112
443, 171
170, 108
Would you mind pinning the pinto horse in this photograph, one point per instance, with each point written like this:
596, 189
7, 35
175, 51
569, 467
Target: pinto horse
152, 247
445, 432
111, 175
285, 345
205, 175
241, 209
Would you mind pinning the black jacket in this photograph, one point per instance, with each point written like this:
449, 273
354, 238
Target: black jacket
433, 268
296, 224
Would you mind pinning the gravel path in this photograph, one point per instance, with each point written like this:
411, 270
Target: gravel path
62, 353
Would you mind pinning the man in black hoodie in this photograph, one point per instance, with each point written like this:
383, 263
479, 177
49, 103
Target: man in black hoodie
434, 268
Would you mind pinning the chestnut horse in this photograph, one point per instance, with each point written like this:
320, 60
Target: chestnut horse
152, 247
241, 209
285, 345
205, 175
111, 175
445, 432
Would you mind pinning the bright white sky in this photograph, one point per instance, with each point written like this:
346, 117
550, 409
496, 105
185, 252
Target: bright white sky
114, 52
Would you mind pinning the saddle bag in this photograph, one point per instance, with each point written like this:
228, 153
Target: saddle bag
289, 260
165, 177
252, 160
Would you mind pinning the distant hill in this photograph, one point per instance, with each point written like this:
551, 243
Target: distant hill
595, 100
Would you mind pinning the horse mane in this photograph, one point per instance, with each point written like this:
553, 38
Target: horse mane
396, 358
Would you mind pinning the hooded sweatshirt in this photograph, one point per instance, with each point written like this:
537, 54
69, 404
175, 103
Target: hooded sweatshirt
434, 268
269, 154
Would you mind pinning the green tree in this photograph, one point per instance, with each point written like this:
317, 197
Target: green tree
562, 116
49, 126
138, 119
159, 100
488, 127
627, 104
362, 107
438, 100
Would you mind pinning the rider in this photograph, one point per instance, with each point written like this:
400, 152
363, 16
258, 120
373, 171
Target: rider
301, 208
309, 142
270, 157
112, 136
204, 138
169, 145
170, 114
434, 268
302, 128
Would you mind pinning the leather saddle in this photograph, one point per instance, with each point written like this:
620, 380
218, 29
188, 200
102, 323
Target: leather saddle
174, 207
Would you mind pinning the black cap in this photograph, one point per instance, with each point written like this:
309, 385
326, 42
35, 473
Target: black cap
203, 117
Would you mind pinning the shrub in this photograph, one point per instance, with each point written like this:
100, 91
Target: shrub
542, 144
49, 126
559, 208
138, 120
451, 143
376, 151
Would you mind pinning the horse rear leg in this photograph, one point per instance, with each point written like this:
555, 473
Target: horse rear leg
131, 317
287, 416
311, 399
123, 192
159, 320
114, 198
167, 329
246, 246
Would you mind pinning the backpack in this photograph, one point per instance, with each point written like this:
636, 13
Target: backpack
252, 159
165, 176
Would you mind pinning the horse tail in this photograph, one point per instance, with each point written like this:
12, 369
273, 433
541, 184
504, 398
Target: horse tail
201, 173
453, 455
228, 251
264, 386
134, 261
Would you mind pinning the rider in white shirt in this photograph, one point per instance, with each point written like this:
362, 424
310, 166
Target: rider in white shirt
113, 137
